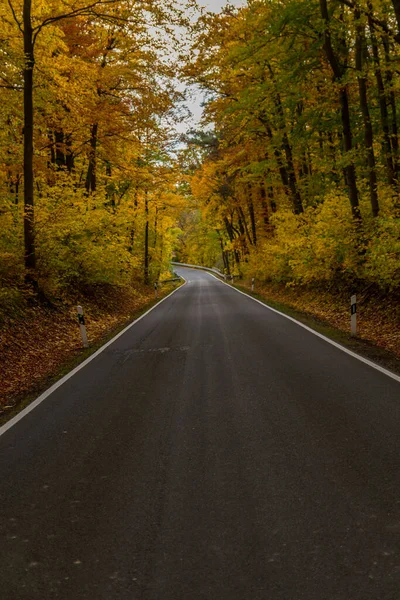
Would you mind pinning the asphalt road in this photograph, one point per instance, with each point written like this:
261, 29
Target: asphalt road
216, 451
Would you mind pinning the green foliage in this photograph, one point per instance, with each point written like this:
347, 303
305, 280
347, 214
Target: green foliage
303, 103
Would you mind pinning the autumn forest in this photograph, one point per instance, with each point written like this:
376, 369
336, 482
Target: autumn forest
291, 176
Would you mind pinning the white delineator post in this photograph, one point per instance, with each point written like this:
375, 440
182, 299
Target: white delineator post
252, 284
354, 315
156, 289
81, 321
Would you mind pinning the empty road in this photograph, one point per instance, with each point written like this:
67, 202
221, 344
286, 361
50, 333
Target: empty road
215, 451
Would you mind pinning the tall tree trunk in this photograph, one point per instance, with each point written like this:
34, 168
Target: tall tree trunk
287, 148
396, 6
253, 225
338, 74
387, 147
368, 134
231, 234
155, 227
225, 256
91, 183
60, 155
394, 137
244, 231
69, 156
349, 170
50, 135
264, 206
282, 169
146, 239
29, 235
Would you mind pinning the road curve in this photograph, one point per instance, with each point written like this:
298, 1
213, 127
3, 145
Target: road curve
216, 451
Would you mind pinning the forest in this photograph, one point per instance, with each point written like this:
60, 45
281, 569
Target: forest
291, 176
89, 188
296, 171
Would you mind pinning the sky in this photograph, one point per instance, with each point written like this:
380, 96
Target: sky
194, 104
216, 5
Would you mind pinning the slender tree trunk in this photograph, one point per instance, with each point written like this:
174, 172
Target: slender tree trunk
349, 170
253, 225
368, 134
91, 183
16, 188
50, 135
146, 239
264, 206
271, 198
338, 73
132, 230
60, 155
387, 147
287, 148
225, 256
229, 229
396, 6
242, 216
155, 227
231, 234
282, 169
69, 156
394, 137
244, 231
29, 235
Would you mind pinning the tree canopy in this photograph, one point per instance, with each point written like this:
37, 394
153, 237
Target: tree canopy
301, 182
293, 175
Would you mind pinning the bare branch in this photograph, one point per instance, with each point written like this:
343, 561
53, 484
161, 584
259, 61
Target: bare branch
9, 86
376, 22
84, 10
15, 16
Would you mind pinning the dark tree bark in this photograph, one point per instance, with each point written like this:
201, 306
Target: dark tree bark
386, 146
244, 230
338, 74
91, 183
282, 169
231, 234
146, 239
253, 224
396, 6
69, 155
155, 228
50, 135
368, 133
394, 134
264, 206
60, 155
225, 256
29, 216
287, 148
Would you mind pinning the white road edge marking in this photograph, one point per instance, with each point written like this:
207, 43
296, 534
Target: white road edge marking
323, 337
61, 381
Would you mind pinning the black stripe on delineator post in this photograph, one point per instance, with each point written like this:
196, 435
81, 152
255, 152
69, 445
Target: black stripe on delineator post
353, 309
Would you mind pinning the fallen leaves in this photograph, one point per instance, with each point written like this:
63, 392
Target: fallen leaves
378, 317
37, 344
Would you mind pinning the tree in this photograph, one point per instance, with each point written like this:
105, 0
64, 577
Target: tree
126, 14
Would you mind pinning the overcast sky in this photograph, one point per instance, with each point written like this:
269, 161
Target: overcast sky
194, 104
216, 5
